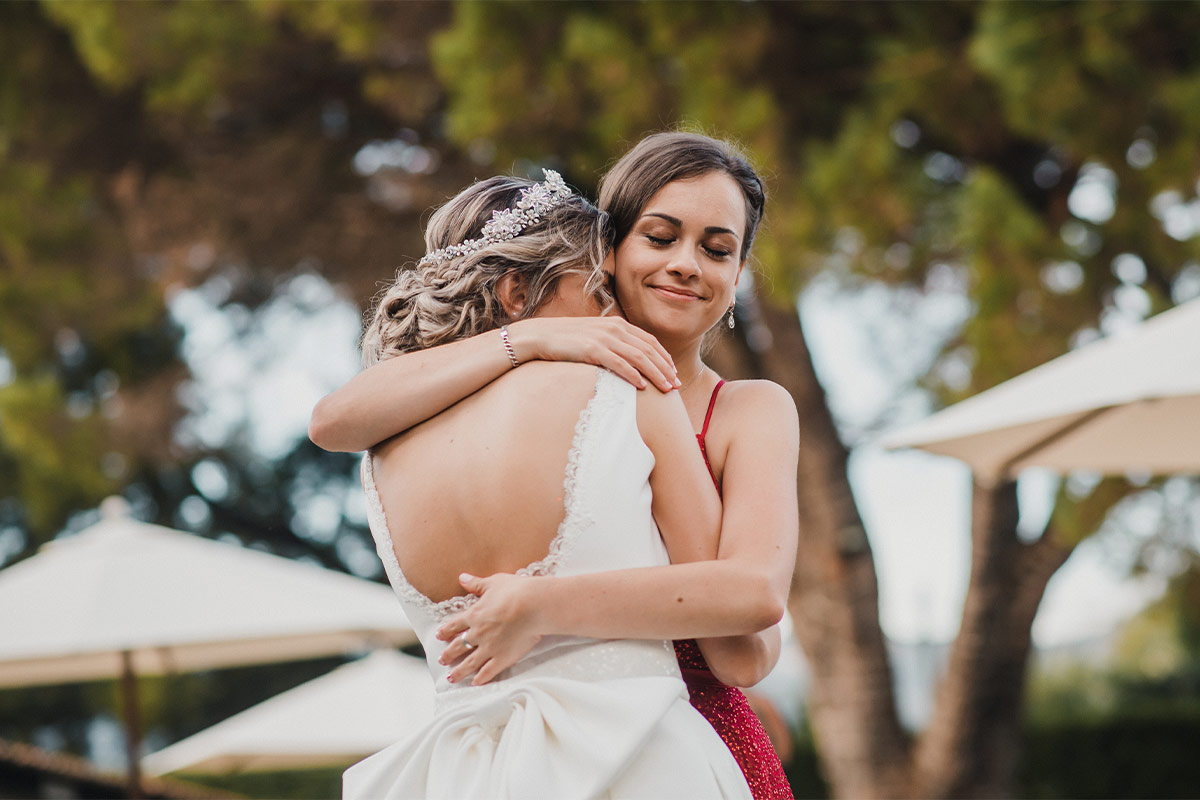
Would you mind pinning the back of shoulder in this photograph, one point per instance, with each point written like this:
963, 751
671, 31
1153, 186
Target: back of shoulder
557, 376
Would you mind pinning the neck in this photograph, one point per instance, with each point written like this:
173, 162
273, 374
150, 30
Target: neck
686, 356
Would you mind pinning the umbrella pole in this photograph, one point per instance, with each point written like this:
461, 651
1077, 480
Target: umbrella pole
1046, 441
133, 723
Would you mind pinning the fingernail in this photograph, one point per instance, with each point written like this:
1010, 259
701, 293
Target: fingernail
449, 679
678, 383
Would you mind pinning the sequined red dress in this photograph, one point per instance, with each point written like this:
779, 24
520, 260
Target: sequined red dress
725, 707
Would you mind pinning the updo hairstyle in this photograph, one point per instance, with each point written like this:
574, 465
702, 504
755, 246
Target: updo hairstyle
435, 303
662, 158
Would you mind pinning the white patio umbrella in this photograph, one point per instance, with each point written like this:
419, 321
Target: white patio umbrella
1126, 403
125, 598
338, 718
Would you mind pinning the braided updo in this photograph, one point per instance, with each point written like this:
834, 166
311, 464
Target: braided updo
436, 303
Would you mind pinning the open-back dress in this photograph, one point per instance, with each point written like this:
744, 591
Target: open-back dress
577, 717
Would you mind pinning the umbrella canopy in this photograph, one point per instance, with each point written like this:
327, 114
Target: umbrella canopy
339, 718
1126, 403
124, 594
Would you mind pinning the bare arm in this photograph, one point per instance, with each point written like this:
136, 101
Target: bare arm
760, 522
686, 506
397, 394
743, 660
682, 600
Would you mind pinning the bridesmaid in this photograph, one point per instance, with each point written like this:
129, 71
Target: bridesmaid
685, 208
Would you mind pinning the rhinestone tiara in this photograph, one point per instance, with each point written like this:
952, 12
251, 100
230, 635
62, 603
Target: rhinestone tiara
508, 223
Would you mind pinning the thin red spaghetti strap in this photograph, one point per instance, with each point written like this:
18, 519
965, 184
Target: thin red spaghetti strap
712, 402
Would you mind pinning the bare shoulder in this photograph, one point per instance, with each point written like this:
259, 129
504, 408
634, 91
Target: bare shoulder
759, 401
655, 407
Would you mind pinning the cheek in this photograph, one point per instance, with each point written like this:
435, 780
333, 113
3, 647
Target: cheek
724, 282
628, 269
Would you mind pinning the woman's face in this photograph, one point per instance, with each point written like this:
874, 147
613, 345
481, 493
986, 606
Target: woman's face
677, 269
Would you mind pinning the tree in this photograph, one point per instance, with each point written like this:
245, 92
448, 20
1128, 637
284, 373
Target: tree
146, 149
945, 140
1039, 157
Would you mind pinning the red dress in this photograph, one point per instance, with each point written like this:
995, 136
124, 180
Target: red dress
724, 706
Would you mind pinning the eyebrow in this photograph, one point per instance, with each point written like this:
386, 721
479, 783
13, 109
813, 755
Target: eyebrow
678, 223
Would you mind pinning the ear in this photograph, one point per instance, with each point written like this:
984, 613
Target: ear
512, 294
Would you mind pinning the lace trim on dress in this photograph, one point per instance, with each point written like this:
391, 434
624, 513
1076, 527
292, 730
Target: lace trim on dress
574, 521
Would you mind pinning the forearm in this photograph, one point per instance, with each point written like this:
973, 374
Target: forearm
404, 391
699, 600
743, 660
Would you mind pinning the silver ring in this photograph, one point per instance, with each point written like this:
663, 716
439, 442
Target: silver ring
463, 639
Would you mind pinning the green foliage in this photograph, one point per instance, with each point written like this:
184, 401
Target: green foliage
569, 85
1164, 639
185, 56
1133, 757
46, 446
1152, 671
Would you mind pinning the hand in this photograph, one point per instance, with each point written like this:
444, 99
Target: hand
501, 627
609, 342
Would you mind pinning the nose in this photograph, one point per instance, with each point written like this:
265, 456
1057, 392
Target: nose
683, 264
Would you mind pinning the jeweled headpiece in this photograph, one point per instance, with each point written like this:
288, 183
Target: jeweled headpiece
508, 223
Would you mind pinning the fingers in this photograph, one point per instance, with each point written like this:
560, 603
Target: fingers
467, 667
456, 651
609, 342
653, 360
621, 368
452, 627
648, 363
487, 672
632, 358
655, 345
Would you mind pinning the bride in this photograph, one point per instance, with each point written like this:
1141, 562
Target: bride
557, 469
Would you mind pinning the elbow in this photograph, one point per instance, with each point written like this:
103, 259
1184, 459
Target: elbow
323, 429
742, 676
753, 663
318, 427
764, 605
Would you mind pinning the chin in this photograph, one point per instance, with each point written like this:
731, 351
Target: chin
676, 326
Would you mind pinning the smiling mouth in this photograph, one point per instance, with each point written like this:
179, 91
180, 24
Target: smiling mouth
676, 294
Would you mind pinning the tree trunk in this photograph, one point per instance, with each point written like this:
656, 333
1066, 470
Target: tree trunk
834, 600
971, 746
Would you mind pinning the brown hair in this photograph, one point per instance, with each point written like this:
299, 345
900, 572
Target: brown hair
434, 303
662, 158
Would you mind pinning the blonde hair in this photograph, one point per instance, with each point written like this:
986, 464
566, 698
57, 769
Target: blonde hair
435, 303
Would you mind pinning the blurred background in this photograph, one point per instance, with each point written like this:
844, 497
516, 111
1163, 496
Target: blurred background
198, 200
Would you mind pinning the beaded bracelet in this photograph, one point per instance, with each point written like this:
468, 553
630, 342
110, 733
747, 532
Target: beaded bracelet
508, 348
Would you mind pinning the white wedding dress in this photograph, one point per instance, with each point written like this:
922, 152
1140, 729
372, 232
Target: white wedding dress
577, 717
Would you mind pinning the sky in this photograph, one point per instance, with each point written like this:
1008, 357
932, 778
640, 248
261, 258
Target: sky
261, 372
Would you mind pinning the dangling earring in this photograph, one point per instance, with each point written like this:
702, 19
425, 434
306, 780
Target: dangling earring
731, 318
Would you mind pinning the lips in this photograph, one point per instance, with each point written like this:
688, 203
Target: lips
676, 293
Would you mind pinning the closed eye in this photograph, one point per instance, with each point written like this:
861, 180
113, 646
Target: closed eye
717, 252
657, 240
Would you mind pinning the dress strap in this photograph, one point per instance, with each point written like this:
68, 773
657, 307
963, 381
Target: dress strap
712, 402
